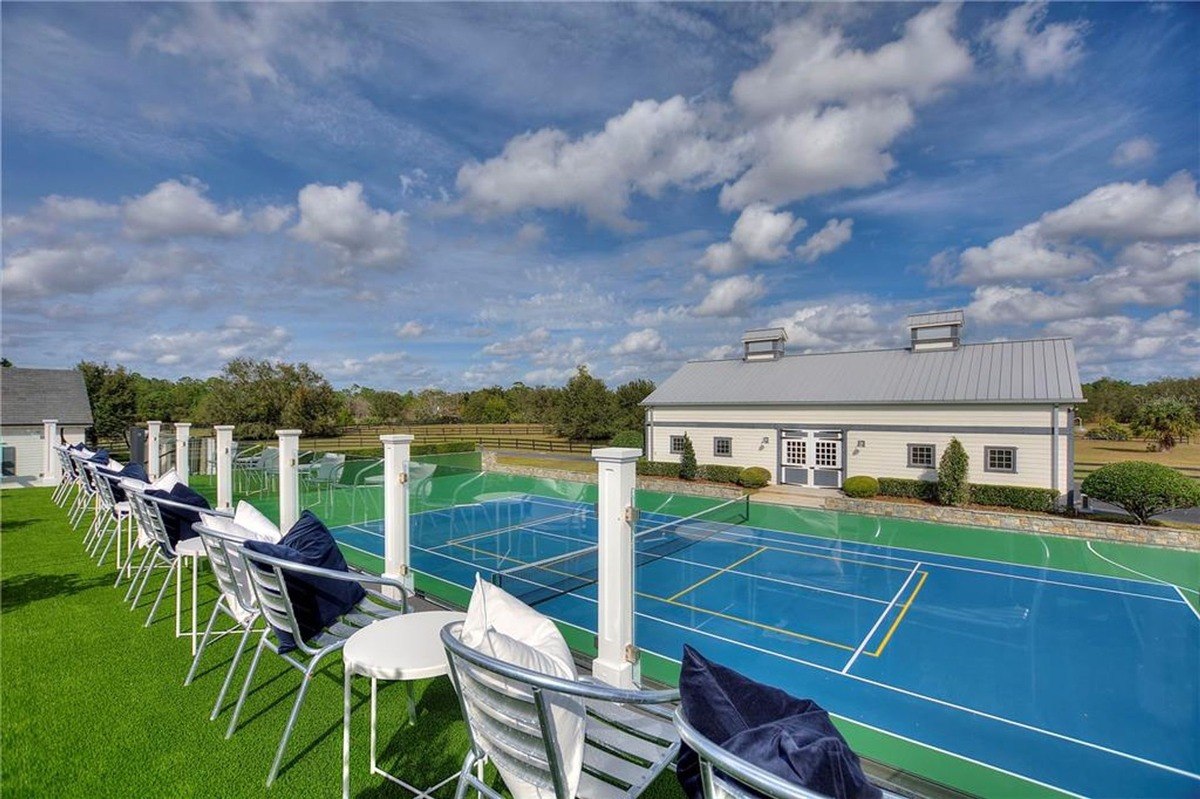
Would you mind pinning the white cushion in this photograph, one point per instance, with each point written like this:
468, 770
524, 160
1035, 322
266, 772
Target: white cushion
500, 625
226, 525
167, 481
114, 465
258, 526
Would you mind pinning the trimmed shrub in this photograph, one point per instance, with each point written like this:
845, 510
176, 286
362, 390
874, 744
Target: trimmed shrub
687, 460
860, 487
952, 486
909, 489
629, 438
754, 477
1109, 430
718, 473
1142, 489
1018, 497
443, 448
657, 468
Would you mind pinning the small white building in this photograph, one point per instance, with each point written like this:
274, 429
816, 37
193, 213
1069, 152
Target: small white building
815, 419
28, 397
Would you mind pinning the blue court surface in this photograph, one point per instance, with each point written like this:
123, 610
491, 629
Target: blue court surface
1084, 683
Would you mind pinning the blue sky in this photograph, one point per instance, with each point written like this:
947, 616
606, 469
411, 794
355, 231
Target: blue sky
458, 195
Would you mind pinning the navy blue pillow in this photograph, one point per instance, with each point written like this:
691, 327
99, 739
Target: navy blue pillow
789, 737
317, 601
100, 456
133, 471
178, 521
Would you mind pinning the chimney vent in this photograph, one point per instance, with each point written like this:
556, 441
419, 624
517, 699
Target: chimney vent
764, 344
935, 330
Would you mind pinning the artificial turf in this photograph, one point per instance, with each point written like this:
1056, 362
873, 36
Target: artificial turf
93, 704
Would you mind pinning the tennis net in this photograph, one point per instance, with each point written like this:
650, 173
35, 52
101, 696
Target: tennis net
544, 580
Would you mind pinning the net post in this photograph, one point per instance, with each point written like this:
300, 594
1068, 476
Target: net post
224, 465
289, 478
183, 432
153, 456
50, 463
617, 663
396, 448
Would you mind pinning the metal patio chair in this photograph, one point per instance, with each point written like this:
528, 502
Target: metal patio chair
66, 476
117, 516
723, 774
267, 576
86, 498
629, 737
322, 473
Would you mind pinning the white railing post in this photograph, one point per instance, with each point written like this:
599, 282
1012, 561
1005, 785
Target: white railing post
289, 478
224, 465
183, 464
618, 662
395, 508
153, 430
208, 456
51, 466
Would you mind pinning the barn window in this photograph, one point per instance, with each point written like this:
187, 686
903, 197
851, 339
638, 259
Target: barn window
921, 456
1000, 459
676, 445
723, 447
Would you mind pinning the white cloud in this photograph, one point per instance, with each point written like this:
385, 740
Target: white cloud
55, 210
549, 376
1024, 254
639, 342
272, 218
721, 352
177, 208
759, 234
204, 350
523, 344
1131, 212
648, 148
810, 65
836, 233
410, 329
729, 297
848, 324
1134, 151
72, 268
1041, 50
1144, 348
338, 218
530, 234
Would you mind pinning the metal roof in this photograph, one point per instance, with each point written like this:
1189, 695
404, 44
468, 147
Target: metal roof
27, 396
764, 334
935, 318
1041, 370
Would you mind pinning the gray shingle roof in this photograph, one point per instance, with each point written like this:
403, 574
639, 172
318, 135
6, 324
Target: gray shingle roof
1042, 370
27, 396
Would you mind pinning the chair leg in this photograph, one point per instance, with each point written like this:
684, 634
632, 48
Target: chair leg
138, 582
346, 678
237, 657
173, 569
212, 619
237, 709
287, 731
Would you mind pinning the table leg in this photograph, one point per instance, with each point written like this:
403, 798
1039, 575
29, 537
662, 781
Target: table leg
195, 606
346, 733
373, 725
412, 704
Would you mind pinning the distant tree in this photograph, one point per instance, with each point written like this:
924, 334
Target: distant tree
111, 392
687, 460
585, 408
487, 406
952, 486
1106, 397
261, 397
1142, 489
1165, 420
388, 407
5, 363
434, 406
630, 413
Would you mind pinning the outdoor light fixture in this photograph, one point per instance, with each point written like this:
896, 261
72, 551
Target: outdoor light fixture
861, 444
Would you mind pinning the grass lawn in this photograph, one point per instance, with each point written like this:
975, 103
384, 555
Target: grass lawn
93, 704
574, 465
1091, 455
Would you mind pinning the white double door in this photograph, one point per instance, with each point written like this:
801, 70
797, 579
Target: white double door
812, 458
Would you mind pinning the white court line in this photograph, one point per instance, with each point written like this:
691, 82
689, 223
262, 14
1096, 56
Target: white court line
510, 528
1152, 578
1191, 607
765, 578
879, 621
934, 700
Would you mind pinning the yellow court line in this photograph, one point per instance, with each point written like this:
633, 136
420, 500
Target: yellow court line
900, 617
716, 574
741, 620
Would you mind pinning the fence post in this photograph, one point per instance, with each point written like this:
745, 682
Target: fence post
289, 478
396, 448
51, 466
183, 433
208, 456
618, 662
224, 434
153, 456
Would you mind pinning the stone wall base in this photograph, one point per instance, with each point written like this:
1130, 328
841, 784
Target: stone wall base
1023, 522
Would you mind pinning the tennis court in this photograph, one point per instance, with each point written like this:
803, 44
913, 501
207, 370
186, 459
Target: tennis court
1082, 683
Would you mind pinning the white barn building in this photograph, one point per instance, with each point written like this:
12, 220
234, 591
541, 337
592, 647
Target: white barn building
29, 397
815, 419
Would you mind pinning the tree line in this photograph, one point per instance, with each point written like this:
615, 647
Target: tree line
1119, 400
260, 397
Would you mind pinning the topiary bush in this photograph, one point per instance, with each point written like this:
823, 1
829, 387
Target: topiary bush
952, 486
909, 489
687, 460
719, 473
1109, 430
754, 477
1142, 489
1018, 497
629, 438
860, 487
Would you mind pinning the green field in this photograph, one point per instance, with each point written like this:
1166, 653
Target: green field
1091, 455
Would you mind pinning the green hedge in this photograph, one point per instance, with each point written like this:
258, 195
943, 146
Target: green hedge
629, 438
718, 473
657, 468
1018, 497
911, 489
860, 487
754, 477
